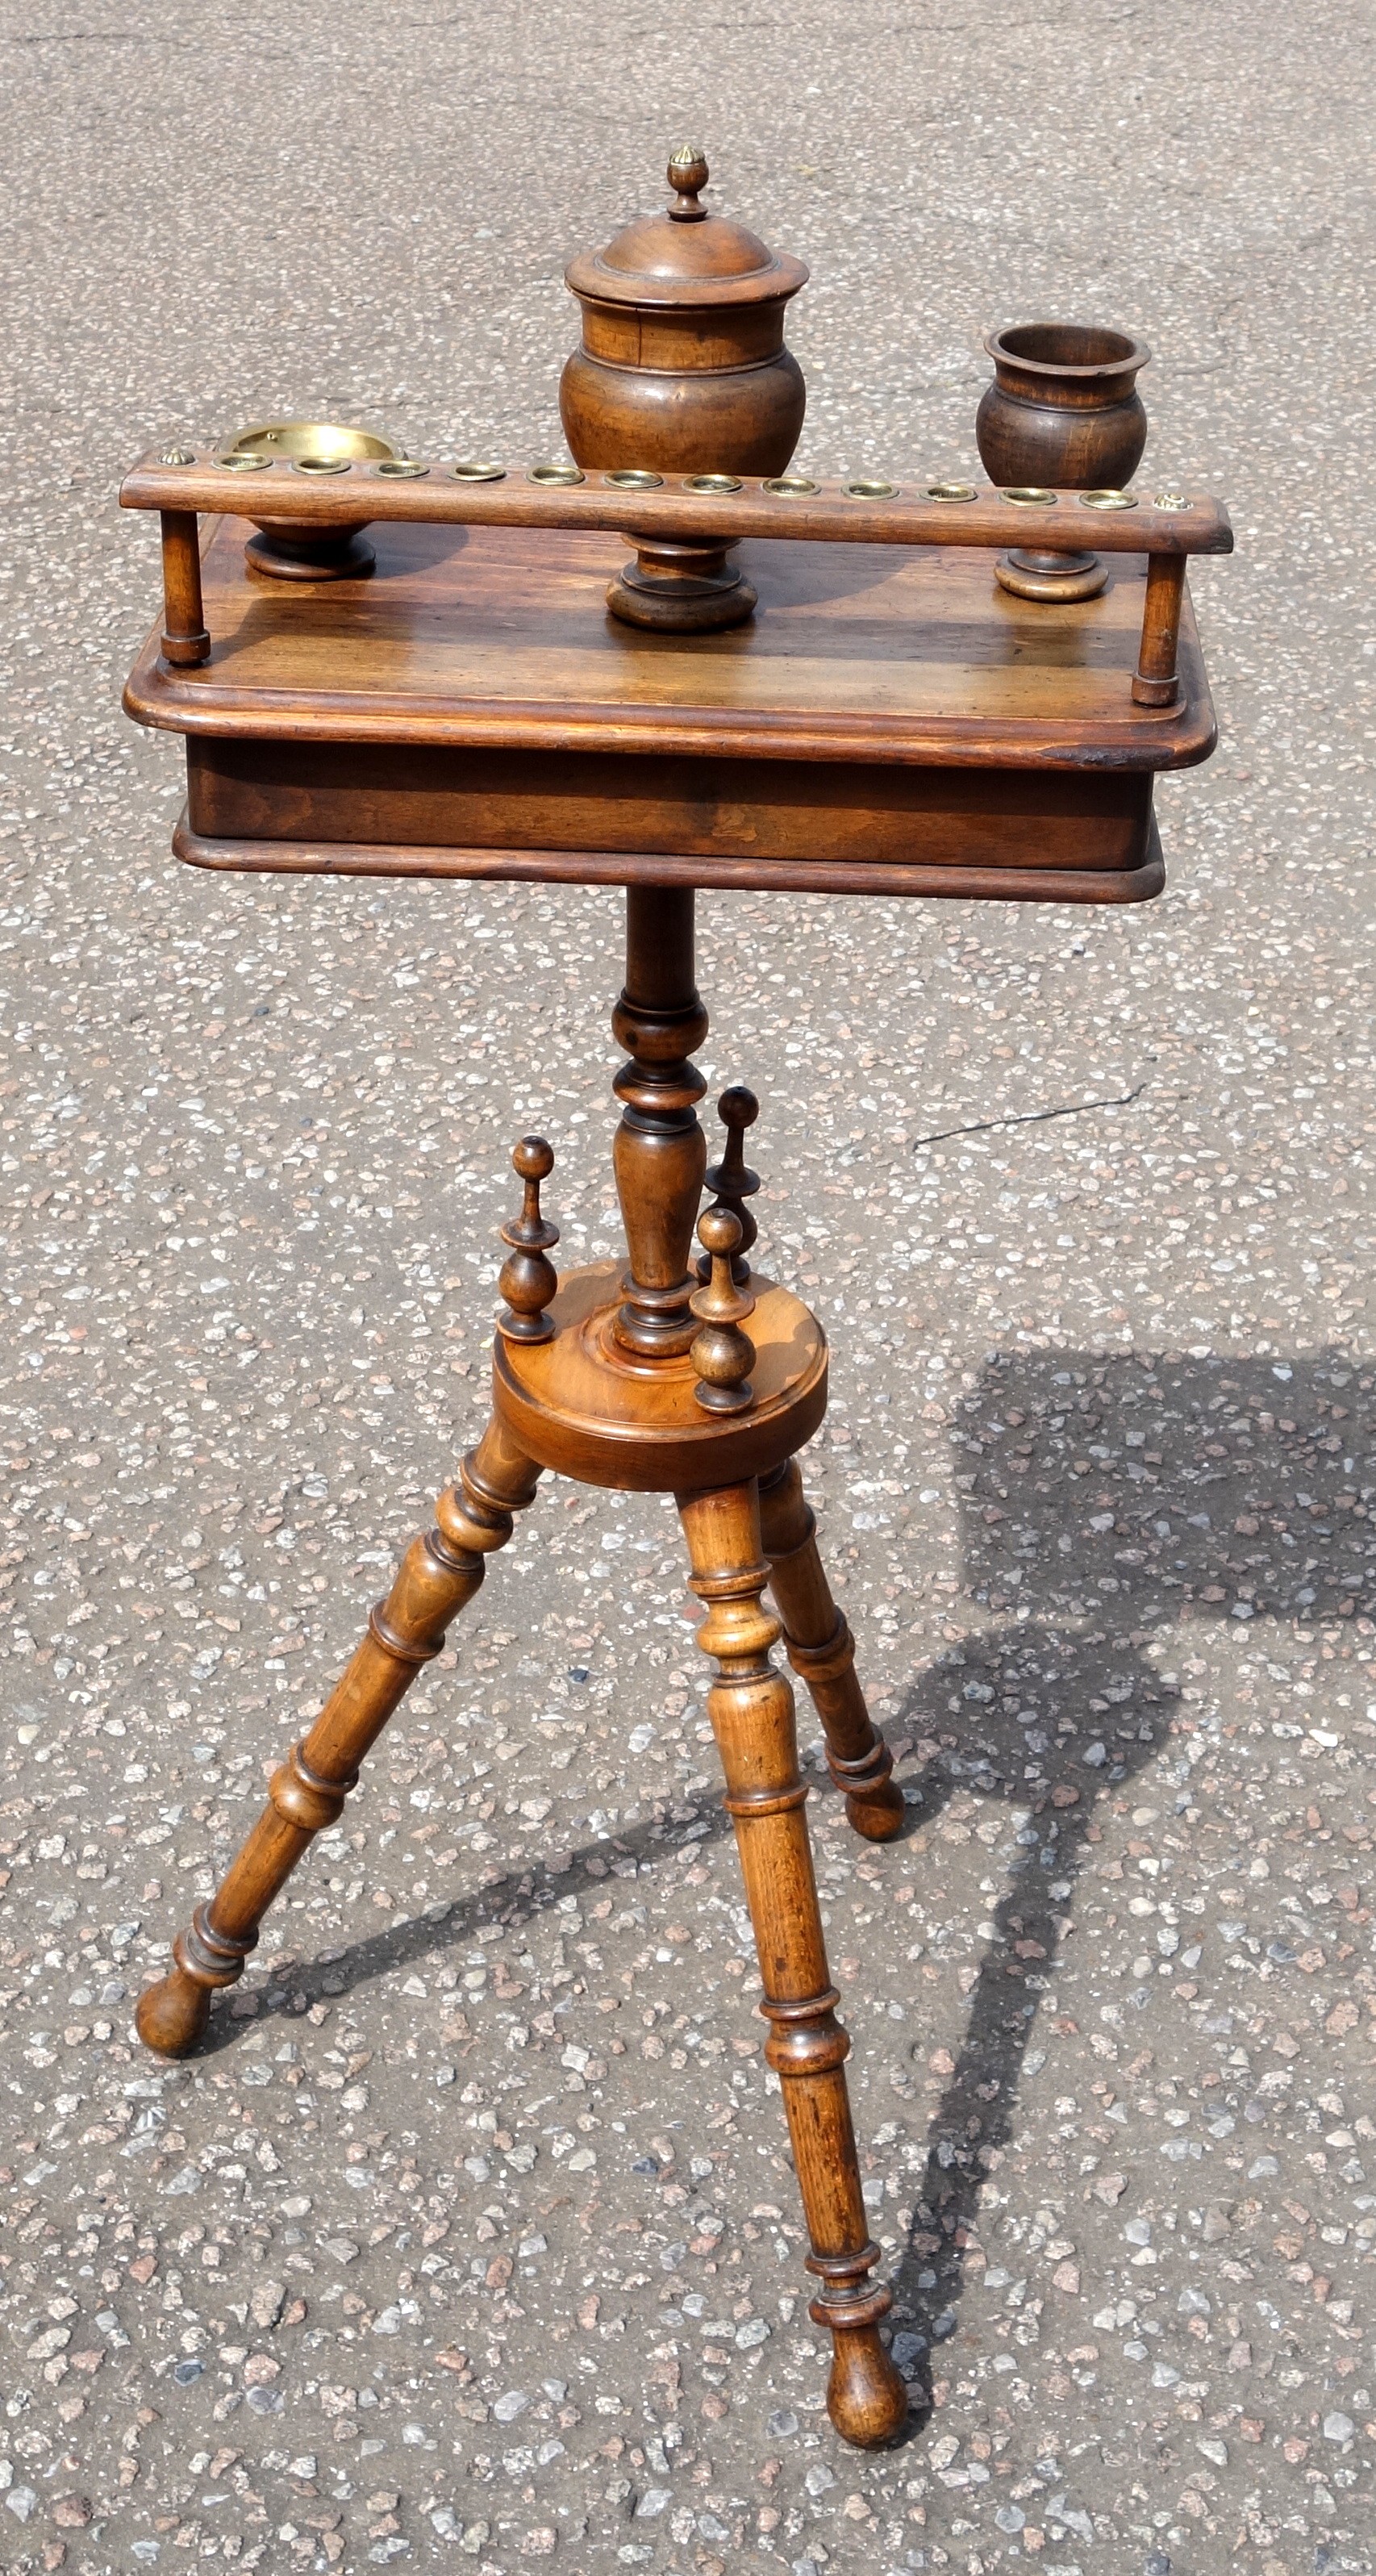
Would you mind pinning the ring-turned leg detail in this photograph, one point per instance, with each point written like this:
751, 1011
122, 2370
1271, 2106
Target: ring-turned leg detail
821, 1650
751, 1708
438, 1575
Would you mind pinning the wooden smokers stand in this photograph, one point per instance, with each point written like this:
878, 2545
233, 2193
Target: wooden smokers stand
890, 722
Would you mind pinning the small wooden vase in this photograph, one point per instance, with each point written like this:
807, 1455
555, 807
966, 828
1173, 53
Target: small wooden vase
1063, 413
291, 550
683, 370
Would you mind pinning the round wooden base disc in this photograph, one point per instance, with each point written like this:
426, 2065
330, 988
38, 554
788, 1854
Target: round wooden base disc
344, 563
582, 1406
673, 608
1051, 586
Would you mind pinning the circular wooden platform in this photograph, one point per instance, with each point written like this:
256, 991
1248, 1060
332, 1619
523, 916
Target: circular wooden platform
582, 1406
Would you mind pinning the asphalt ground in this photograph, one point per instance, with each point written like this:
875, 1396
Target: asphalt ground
470, 2240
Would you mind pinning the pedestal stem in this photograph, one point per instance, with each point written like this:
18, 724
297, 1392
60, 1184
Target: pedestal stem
660, 1153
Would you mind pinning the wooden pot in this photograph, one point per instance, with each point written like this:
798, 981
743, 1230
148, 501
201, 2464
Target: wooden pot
682, 369
1063, 414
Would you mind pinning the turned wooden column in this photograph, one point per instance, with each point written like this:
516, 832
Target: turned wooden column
1156, 682
184, 638
751, 1708
660, 1153
438, 1575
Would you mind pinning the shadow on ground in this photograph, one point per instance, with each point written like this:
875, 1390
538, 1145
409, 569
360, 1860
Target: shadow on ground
1112, 1500
510, 1899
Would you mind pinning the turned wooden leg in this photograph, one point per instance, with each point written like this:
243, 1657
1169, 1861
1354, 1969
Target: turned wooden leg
821, 1650
751, 1708
439, 1573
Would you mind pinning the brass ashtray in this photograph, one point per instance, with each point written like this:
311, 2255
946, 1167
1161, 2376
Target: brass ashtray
292, 550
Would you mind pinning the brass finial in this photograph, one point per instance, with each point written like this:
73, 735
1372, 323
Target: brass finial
722, 1354
528, 1279
731, 1181
688, 175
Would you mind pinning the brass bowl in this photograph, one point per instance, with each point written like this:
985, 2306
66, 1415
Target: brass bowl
295, 551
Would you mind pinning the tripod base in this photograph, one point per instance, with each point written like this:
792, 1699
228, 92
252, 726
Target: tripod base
573, 1393
575, 1403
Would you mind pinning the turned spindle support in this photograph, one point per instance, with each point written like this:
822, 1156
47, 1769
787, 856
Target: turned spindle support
750, 1705
528, 1279
660, 1153
1156, 683
185, 641
731, 1181
721, 1353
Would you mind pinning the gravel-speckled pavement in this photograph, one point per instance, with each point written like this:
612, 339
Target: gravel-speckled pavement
469, 2241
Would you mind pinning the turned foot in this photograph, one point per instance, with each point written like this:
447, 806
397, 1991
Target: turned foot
172, 2015
866, 2396
877, 1812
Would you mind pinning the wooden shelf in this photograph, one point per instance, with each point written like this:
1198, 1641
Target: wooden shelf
502, 638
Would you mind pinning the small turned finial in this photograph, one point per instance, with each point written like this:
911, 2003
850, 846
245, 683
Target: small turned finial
688, 174
722, 1354
731, 1181
529, 1280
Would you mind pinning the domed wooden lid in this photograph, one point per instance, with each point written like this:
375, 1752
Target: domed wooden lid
686, 256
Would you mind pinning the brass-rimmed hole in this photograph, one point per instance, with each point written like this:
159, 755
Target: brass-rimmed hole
471, 473
402, 469
949, 492
1172, 501
634, 478
321, 464
870, 491
239, 464
554, 474
712, 483
789, 487
1029, 496
1108, 500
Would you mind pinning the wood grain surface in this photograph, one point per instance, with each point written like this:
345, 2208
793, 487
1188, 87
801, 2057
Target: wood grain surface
739, 810
486, 638
969, 883
845, 512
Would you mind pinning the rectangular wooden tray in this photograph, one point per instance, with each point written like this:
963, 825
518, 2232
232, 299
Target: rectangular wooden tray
890, 721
